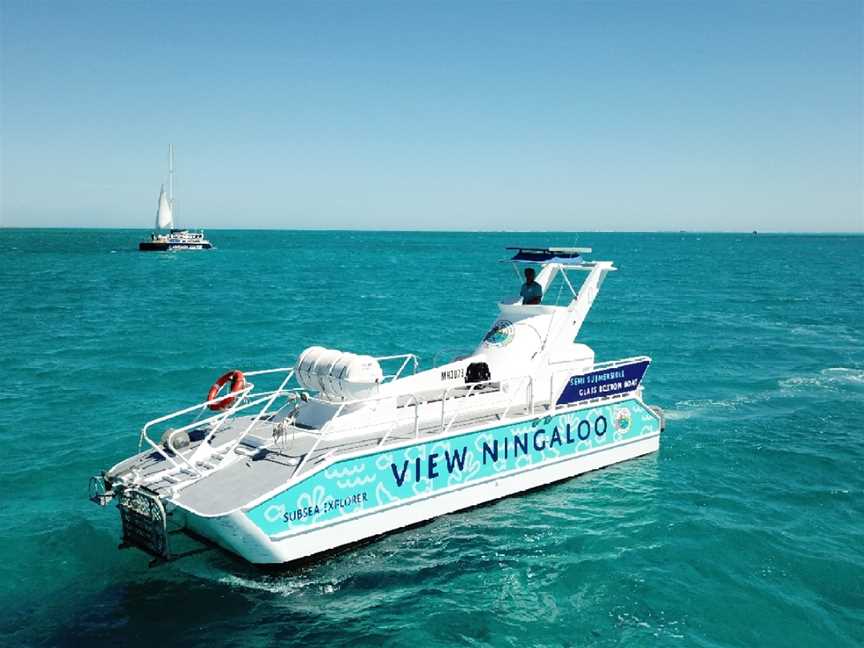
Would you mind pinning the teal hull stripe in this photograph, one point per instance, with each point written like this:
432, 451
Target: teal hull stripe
373, 481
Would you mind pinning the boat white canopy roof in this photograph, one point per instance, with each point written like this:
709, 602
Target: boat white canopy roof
566, 256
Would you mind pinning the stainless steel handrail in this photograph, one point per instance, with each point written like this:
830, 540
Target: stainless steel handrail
145, 437
407, 357
239, 404
321, 435
396, 418
276, 393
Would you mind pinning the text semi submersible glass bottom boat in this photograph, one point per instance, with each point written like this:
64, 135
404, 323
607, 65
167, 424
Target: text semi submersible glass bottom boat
282, 474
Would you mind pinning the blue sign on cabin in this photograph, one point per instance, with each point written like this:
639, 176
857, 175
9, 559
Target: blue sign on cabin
605, 382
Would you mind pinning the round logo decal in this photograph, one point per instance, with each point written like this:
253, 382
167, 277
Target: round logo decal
622, 420
501, 334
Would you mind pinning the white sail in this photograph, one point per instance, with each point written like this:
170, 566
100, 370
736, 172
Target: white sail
164, 217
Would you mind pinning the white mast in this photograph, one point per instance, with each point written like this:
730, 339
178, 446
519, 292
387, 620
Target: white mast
171, 181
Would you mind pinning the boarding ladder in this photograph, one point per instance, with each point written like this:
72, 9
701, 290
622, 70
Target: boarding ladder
145, 523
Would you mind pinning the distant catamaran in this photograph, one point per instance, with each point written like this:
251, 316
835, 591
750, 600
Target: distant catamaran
175, 239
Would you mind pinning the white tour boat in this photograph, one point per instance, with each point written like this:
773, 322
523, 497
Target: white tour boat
173, 239
362, 446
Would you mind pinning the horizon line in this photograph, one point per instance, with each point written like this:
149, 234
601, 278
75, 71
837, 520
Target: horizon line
445, 231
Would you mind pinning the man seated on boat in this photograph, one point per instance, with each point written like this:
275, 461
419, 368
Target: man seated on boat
531, 291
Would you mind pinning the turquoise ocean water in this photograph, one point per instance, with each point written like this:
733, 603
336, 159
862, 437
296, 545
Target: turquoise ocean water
746, 529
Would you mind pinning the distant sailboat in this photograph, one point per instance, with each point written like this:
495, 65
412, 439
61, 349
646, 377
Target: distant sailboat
175, 239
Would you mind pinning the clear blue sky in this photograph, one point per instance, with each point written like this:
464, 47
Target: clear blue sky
436, 115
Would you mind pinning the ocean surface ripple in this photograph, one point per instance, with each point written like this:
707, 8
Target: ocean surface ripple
745, 529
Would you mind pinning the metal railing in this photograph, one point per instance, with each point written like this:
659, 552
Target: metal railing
239, 404
406, 358
273, 396
450, 394
411, 397
192, 461
530, 380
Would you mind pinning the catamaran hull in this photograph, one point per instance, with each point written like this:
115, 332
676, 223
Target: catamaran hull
238, 533
147, 246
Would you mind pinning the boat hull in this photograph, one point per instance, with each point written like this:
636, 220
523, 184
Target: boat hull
296, 523
148, 246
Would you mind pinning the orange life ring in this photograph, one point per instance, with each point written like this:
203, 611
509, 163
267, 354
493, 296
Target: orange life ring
238, 383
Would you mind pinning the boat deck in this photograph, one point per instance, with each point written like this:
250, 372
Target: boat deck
272, 466
275, 449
